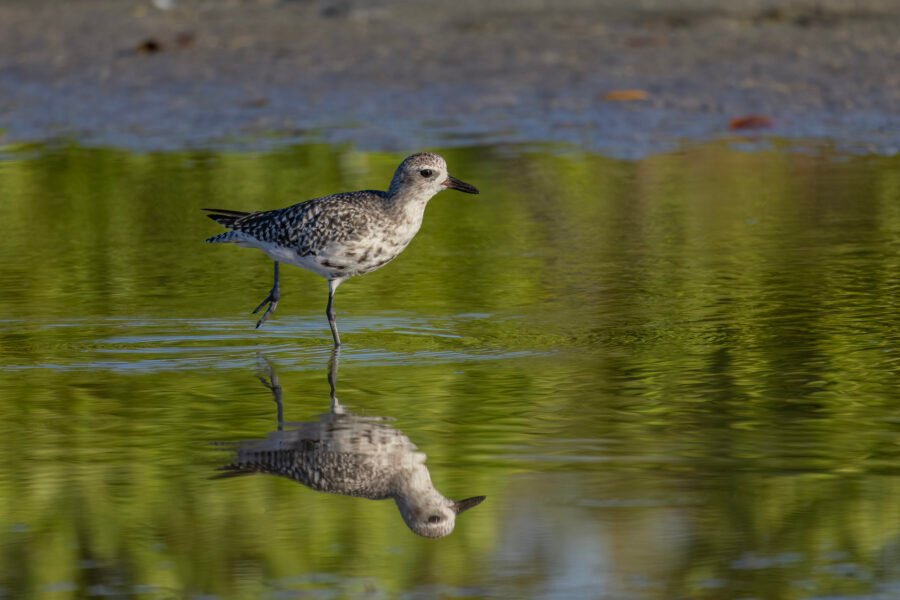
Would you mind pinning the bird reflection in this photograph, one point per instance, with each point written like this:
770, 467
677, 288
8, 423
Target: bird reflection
350, 455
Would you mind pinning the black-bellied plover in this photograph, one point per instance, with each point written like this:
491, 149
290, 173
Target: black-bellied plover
343, 235
353, 456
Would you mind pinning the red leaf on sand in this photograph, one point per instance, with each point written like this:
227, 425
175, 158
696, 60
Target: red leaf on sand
626, 95
750, 122
185, 39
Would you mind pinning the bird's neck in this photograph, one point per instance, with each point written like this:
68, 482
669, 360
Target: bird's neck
412, 487
409, 205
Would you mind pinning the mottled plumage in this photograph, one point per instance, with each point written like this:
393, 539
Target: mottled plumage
351, 455
340, 453
336, 232
342, 235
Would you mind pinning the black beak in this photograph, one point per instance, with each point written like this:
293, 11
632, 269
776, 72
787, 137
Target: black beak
455, 184
464, 505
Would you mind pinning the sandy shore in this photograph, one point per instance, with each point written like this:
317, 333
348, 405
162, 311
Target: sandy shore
400, 74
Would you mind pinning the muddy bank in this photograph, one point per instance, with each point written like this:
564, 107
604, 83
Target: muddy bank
399, 74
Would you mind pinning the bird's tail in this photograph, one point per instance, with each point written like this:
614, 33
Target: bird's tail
225, 217
231, 471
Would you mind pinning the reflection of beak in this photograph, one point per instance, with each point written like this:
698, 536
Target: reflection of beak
455, 184
464, 505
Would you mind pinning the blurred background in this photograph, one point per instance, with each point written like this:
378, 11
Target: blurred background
663, 341
613, 76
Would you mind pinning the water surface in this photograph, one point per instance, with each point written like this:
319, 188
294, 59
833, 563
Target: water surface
672, 378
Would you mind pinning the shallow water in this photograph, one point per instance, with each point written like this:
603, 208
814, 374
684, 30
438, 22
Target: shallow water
672, 378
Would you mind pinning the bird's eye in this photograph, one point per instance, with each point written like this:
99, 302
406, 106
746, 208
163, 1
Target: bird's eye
435, 519
426, 173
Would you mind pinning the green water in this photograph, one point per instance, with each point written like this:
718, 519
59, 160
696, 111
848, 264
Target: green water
672, 378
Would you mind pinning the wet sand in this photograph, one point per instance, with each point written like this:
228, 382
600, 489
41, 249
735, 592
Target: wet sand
397, 75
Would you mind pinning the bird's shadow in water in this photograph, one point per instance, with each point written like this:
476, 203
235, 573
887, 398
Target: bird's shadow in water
351, 455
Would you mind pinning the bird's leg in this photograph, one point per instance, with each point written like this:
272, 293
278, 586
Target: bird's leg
269, 379
336, 408
271, 300
329, 311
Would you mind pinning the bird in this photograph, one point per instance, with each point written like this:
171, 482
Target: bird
342, 235
350, 455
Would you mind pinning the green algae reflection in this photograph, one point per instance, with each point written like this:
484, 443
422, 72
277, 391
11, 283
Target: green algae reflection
673, 378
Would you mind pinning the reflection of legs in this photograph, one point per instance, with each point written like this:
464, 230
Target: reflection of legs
273, 385
271, 300
329, 311
333, 363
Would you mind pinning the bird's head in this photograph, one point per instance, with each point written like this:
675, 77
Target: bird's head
425, 174
435, 517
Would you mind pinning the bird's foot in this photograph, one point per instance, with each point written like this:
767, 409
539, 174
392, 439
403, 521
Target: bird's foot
272, 301
265, 372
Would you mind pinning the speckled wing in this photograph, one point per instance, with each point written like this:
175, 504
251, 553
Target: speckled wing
308, 226
341, 454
